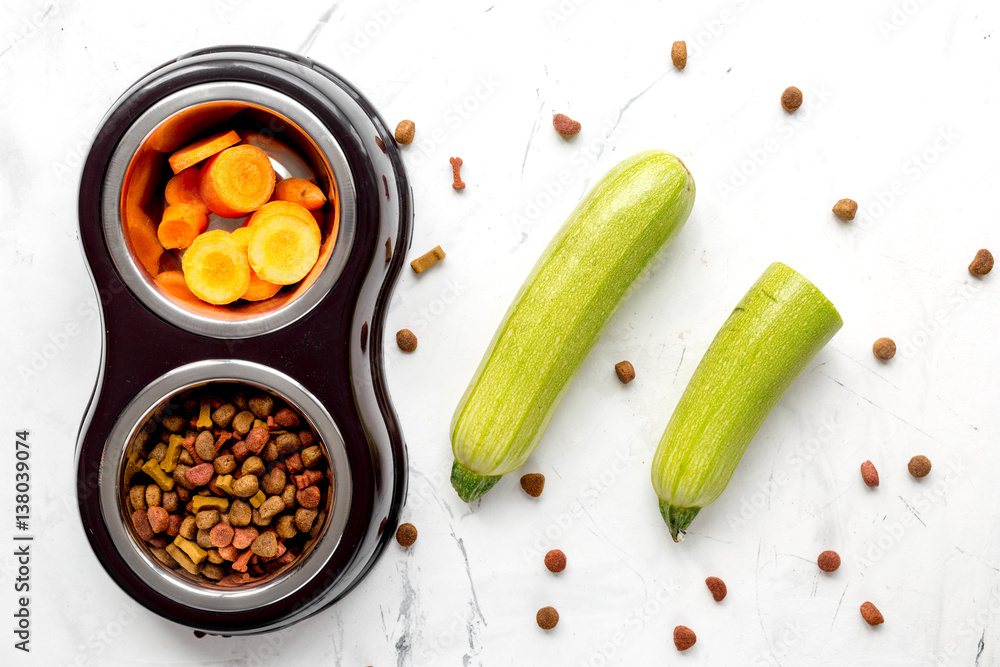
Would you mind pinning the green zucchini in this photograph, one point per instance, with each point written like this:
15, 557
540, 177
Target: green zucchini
768, 340
577, 285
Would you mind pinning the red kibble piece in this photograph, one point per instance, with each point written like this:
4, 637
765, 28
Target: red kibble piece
555, 560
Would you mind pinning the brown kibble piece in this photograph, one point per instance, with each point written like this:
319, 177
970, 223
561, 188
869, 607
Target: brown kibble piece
871, 614
312, 456
261, 406
406, 535
884, 348
829, 561
427, 260
137, 496
845, 209
154, 495
304, 519
240, 513
684, 637
919, 466
679, 54
187, 529
717, 587
224, 414
406, 340
869, 474
204, 446
456, 166
286, 418
274, 482
285, 528
246, 486
257, 438
791, 99
174, 423
159, 519
252, 466
141, 524
243, 422
533, 484
565, 125
982, 264
224, 464
207, 518
555, 560
169, 501
265, 545
271, 507
308, 497
287, 443
625, 371
221, 535
405, 131
547, 618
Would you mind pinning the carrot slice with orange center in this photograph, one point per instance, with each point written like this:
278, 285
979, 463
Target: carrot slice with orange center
283, 248
184, 188
180, 225
259, 288
216, 269
300, 191
236, 181
202, 150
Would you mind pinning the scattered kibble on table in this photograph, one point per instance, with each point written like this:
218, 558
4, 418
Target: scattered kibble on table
829, 561
919, 466
533, 484
791, 99
684, 637
884, 349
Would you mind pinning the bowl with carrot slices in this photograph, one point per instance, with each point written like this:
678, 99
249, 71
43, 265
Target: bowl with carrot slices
228, 213
243, 213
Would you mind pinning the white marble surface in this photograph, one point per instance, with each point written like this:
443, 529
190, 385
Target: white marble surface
900, 107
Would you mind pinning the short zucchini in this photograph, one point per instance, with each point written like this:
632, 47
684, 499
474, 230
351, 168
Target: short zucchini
768, 340
578, 284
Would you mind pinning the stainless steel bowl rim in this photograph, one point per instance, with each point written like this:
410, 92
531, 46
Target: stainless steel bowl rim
157, 576
133, 275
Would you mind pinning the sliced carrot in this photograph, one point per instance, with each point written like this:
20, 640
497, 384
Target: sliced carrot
281, 208
259, 288
184, 188
181, 224
237, 181
302, 192
283, 248
142, 236
172, 282
216, 268
202, 150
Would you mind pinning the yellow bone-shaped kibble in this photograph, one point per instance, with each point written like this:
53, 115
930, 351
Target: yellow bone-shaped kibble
225, 483
182, 559
201, 502
162, 479
194, 552
258, 499
173, 455
205, 415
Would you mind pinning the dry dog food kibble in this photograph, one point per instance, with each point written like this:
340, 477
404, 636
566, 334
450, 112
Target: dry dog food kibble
427, 260
919, 466
829, 561
547, 618
845, 209
791, 99
625, 371
884, 349
456, 166
406, 340
717, 587
555, 560
982, 264
533, 484
871, 614
225, 486
406, 534
679, 54
405, 131
684, 637
565, 125
869, 474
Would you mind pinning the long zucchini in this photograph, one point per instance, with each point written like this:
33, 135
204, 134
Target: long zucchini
768, 340
577, 285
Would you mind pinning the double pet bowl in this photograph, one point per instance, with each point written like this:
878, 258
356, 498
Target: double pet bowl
317, 346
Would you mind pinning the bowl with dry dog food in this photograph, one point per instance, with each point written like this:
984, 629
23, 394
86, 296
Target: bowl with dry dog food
240, 466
